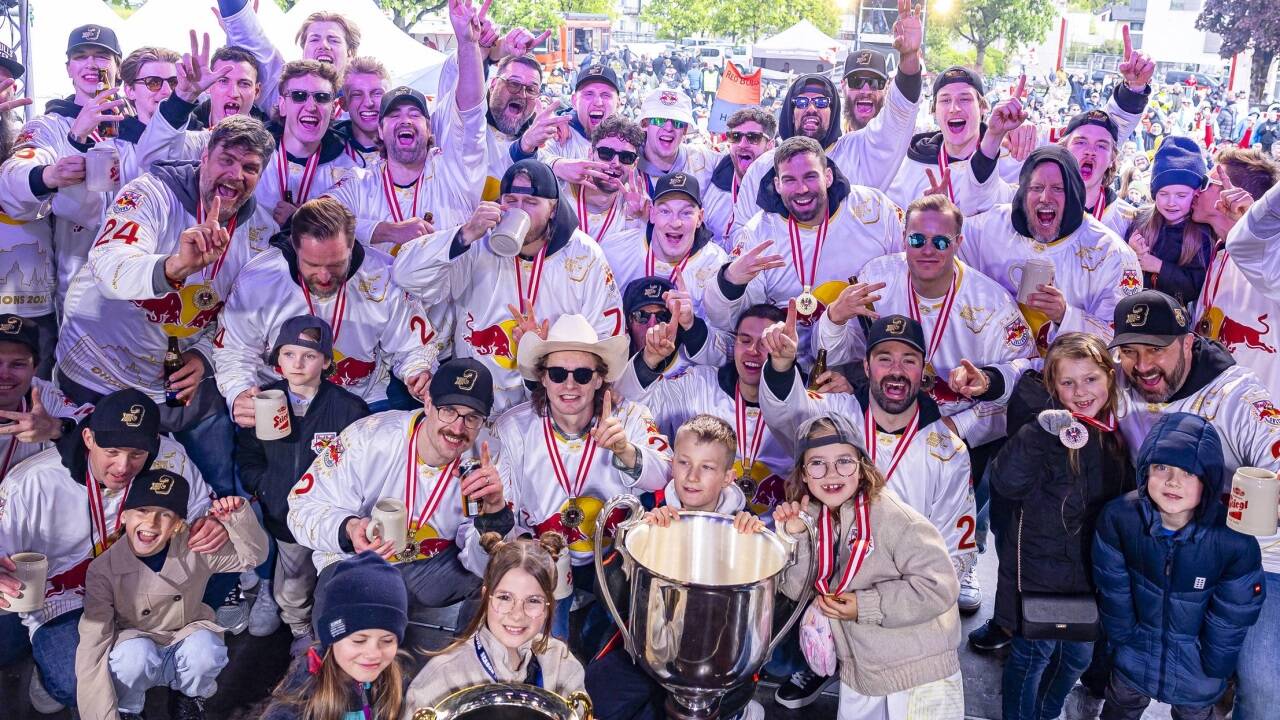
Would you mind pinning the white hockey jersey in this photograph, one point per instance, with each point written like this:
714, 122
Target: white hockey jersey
13, 450
370, 461
610, 228
1247, 323
632, 257
27, 276
377, 327
43, 509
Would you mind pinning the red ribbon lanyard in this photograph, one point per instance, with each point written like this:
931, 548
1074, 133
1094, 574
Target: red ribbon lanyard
411, 481
557, 462
733, 202
527, 302
944, 163
1108, 425
1212, 279
940, 326
747, 452
13, 441
858, 549
231, 231
308, 174
797, 251
1100, 207
339, 306
393, 202
98, 513
908, 436
651, 262
584, 222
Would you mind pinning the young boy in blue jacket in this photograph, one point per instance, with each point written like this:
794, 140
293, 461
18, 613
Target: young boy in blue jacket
1178, 589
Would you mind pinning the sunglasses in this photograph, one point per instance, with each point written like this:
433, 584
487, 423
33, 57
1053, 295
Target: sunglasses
677, 124
858, 83
558, 375
803, 103
321, 97
626, 157
155, 82
755, 138
917, 241
643, 316
518, 88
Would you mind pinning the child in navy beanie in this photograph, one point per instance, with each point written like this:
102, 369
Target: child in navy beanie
1173, 250
354, 670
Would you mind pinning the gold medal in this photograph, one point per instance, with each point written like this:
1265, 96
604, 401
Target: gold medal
410, 551
572, 516
748, 486
929, 378
806, 303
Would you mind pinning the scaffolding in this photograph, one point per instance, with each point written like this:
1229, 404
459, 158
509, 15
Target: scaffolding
15, 32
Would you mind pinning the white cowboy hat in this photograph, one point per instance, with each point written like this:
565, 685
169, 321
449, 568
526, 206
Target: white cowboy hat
572, 332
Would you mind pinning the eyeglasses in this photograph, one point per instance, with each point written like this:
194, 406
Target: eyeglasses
321, 98
582, 376
858, 83
755, 138
607, 154
533, 606
643, 316
803, 103
817, 469
448, 416
154, 82
519, 88
917, 241
677, 124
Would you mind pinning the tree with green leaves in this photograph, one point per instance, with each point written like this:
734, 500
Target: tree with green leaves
1014, 22
677, 19
539, 15
1245, 24
406, 13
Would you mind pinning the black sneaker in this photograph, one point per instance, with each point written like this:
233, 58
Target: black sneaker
185, 707
990, 637
802, 688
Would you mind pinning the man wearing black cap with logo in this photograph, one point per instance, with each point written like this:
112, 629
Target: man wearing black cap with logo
811, 108
65, 503
557, 270
425, 459
923, 459
596, 96
1093, 138
865, 77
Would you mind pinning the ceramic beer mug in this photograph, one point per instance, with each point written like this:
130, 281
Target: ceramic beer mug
1255, 497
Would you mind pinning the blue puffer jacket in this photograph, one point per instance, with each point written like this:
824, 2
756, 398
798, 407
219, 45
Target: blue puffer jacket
1176, 607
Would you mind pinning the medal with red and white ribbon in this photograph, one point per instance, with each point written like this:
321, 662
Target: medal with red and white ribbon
651, 263
572, 516
748, 451
871, 433
529, 300
1075, 436
231, 231
393, 200
434, 498
1212, 284
13, 444
98, 514
859, 547
339, 306
939, 326
584, 220
304, 183
806, 303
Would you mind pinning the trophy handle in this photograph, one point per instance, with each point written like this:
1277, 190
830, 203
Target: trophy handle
426, 713
634, 511
580, 703
806, 591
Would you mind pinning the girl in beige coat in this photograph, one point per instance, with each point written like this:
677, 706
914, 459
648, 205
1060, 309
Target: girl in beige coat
144, 623
887, 589
509, 640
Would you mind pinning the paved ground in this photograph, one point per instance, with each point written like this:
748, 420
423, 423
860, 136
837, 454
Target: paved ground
258, 663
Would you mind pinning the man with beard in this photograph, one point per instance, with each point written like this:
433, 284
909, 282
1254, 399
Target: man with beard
422, 177
610, 206
318, 268
595, 97
807, 201
1093, 269
751, 133
426, 456
170, 250
363, 86
811, 108
923, 459
666, 116
558, 270
865, 77
65, 503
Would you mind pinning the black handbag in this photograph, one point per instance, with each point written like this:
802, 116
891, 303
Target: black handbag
1071, 617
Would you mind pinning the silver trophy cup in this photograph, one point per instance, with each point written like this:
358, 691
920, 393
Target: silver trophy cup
514, 701
702, 598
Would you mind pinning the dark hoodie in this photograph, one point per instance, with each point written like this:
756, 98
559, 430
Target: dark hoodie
786, 123
1208, 361
1176, 605
563, 224
75, 456
1073, 212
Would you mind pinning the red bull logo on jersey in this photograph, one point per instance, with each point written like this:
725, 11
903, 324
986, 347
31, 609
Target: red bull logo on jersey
1233, 334
1017, 334
127, 201
493, 342
1267, 412
183, 313
349, 371
1130, 283
71, 581
942, 393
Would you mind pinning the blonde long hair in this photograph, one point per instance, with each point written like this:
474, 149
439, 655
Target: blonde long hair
1083, 346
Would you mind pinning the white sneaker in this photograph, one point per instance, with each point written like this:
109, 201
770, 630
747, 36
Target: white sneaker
249, 579
41, 700
264, 617
970, 591
1081, 705
233, 614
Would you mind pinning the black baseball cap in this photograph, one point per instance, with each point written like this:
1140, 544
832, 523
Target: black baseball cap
126, 419
402, 94
868, 61
1150, 317
291, 333
678, 182
1094, 117
596, 72
895, 327
93, 36
645, 291
9, 61
465, 382
20, 330
958, 74
159, 488
542, 181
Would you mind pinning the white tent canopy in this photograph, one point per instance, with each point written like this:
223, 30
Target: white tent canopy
166, 23
379, 37
802, 45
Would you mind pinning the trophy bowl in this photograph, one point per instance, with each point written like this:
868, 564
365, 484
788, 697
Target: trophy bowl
702, 601
508, 701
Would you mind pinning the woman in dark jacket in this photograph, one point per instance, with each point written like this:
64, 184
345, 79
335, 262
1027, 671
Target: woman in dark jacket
1058, 472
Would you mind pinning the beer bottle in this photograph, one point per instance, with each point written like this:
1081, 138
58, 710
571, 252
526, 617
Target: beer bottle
470, 505
172, 364
819, 367
105, 129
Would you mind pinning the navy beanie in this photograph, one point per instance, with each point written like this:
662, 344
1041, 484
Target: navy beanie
364, 593
1179, 161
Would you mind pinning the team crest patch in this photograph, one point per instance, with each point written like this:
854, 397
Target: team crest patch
1017, 334
668, 97
332, 454
1267, 412
126, 202
321, 440
1130, 283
